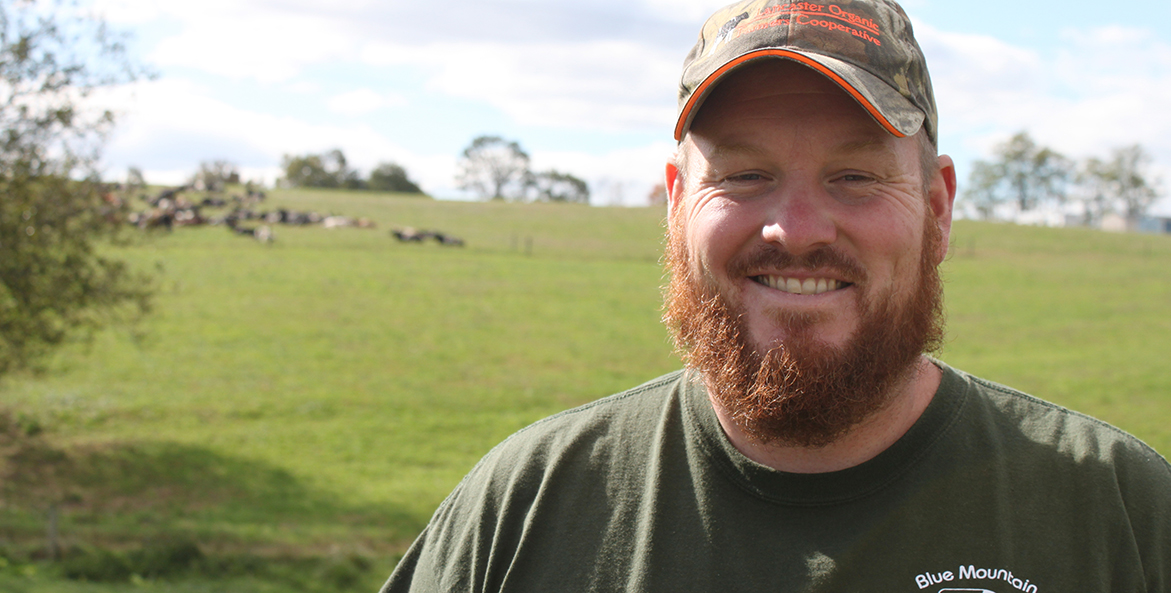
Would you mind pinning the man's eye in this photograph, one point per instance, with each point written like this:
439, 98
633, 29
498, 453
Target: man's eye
745, 177
855, 178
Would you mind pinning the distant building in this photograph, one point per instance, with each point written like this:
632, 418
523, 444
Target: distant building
1115, 223
1158, 218
1155, 224
1073, 214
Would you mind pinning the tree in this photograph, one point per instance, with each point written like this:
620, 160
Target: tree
554, 186
1120, 184
347, 178
214, 175
55, 282
392, 177
1094, 181
494, 168
329, 170
657, 195
134, 179
1023, 174
306, 171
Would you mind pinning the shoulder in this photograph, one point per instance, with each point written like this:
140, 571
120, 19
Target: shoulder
620, 418
1090, 473
543, 477
1044, 435
573, 443
635, 402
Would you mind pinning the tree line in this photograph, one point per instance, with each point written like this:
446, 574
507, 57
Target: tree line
331, 170
497, 169
328, 170
490, 167
1024, 176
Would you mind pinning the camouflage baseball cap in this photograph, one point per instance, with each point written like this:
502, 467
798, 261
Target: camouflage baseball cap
867, 47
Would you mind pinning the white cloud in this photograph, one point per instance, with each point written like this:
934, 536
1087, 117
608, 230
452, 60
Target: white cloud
607, 85
1103, 88
175, 124
363, 101
588, 78
130, 12
274, 40
976, 77
236, 39
620, 177
303, 87
690, 12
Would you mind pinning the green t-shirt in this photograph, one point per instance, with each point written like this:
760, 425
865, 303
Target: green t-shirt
991, 490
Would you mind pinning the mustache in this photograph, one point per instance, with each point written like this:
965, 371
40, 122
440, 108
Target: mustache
825, 258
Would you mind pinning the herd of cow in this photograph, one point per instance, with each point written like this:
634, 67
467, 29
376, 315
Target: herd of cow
170, 208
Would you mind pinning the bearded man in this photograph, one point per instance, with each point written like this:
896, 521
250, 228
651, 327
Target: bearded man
810, 444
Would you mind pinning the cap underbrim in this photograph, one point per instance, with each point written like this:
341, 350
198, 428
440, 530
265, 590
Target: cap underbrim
890, 109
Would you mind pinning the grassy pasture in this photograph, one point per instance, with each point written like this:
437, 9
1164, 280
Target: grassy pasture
319, 397
1075, 316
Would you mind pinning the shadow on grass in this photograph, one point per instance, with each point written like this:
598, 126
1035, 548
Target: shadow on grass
124, 506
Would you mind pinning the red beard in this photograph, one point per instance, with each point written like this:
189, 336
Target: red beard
802, 392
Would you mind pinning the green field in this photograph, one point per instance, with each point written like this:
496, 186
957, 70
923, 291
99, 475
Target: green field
304, 406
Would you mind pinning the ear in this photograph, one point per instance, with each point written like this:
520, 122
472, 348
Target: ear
674, 184
941, 201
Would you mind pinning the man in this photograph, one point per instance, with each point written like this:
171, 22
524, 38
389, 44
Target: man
810, 445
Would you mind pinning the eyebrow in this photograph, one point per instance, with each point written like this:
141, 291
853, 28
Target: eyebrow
871, 145
864, 145
737, 149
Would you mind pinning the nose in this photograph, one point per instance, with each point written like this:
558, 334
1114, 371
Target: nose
800, 221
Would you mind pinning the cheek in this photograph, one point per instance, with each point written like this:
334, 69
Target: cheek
900, 263
715, 235
890, 243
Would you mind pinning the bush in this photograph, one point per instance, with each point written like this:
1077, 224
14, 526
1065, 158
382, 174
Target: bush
344, 572
97, 565
154, 560
393, 178
165, 559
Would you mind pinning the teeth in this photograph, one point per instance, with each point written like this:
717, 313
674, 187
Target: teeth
809, 286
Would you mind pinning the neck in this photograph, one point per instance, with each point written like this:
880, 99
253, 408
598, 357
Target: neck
861, 444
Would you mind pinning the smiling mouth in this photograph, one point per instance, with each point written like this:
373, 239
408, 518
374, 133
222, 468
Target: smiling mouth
808, 286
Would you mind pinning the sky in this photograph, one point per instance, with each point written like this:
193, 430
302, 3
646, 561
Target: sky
587, 88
